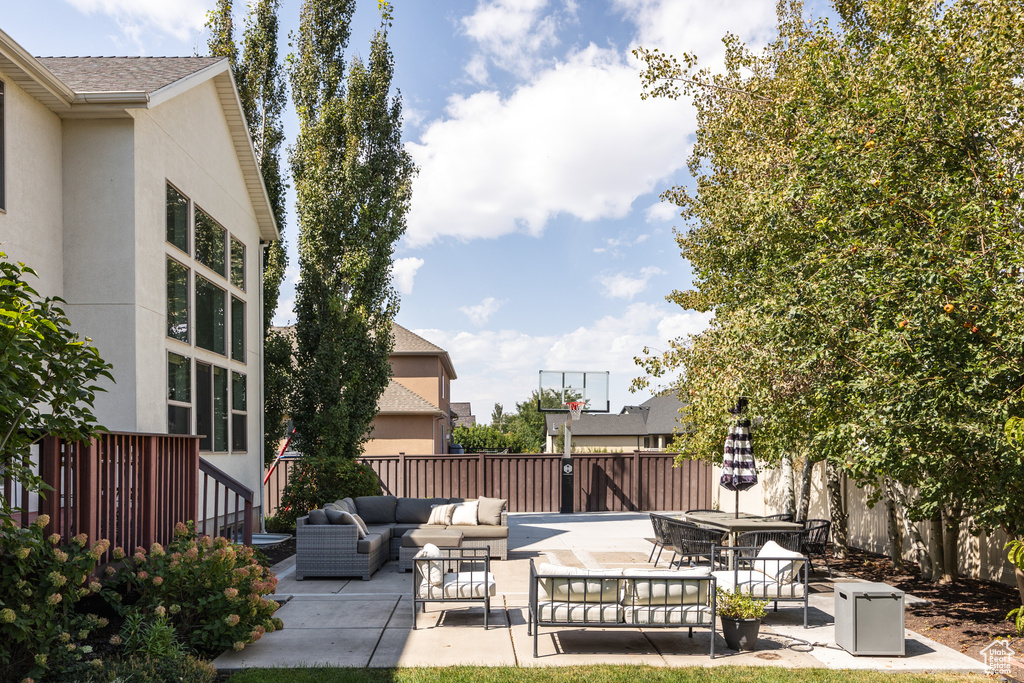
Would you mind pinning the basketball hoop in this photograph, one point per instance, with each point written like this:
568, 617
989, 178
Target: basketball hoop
576, 408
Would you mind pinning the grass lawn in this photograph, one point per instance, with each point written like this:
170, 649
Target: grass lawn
584, 674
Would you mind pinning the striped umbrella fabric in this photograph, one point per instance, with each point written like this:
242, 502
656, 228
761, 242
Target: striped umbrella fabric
739, 471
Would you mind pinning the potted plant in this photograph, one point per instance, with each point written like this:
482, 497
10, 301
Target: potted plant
741, 618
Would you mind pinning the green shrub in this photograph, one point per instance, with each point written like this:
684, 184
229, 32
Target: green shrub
41, 579
480, 438
314, 481
737, 605
183, 668
276, 525
149, 636
210, 590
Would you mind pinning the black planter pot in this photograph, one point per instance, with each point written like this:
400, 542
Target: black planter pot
740, 634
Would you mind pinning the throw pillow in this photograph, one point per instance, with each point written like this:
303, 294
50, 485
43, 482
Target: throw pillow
346, 504
434, 572
361, 524
342, 517
441, 514
785, 565
465, 514
489, 511
317, 517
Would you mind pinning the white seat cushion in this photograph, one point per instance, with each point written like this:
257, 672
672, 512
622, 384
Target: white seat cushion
461, 585
592, 586
655, 590
757, 584
693, 615
783, 570
577, 613
434, 571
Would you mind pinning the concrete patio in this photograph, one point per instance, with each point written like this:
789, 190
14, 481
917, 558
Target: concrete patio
353, 623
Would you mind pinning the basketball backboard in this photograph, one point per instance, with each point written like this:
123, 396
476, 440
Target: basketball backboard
558, 387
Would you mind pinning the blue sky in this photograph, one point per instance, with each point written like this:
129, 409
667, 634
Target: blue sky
536, 237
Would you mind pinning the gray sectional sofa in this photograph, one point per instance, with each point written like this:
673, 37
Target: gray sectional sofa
330, 542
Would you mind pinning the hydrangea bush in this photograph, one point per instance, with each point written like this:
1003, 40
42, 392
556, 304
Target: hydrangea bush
41, 579
210, 590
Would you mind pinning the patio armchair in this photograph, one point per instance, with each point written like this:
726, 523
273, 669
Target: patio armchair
452, 574
690, 540
784, 517
815, 540
662, 538
769, 572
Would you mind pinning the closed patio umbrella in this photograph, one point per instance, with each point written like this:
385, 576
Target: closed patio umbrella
739, 471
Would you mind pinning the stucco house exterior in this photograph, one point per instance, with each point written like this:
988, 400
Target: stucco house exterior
648, 426
415, 415
131, 186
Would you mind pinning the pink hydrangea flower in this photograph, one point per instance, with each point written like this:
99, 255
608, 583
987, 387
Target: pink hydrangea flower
54, 538
239, 646
119, 553
157, 580
231, 592
80, 540
54, 598
232, 619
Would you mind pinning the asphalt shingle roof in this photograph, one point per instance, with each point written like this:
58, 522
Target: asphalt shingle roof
398, 399
663, 417
124, 74
408, 342
599, 425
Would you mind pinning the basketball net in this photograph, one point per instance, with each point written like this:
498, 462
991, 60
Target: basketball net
575, 409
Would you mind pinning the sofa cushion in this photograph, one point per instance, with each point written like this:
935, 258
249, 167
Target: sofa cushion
465, 514
413, 510
431, 572
582, 585
399, 530
424, 536
456, 501
377, 509
758, 585
332, 506
317, 517
666, 588
340, 517
371, 543
441, 514
481, 531
386, 531
781, 570
490, 509
461, 585
682, 615
576, 613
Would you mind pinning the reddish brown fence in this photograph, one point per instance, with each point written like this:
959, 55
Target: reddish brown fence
128, 488
531, 482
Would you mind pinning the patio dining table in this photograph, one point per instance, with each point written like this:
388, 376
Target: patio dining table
735, 523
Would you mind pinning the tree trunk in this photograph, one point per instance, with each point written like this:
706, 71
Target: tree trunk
805, 488
787, 484
951, 543
935, 549
1019, 573
837, 511
924, 561
895, 532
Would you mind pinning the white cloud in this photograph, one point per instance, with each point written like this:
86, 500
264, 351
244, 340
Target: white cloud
404, 270
483, 311
626, 286
661, 212
510, 34
501, 365
285, 313
182, 19
576, 140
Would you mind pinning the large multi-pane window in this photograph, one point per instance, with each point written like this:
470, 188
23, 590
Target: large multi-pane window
177, 301
3, 161
211, 243
210, 323
198, 315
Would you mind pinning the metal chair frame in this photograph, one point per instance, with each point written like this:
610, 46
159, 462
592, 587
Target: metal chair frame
815, 540
662, 538
690, 540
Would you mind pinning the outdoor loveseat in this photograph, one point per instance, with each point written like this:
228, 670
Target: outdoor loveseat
331, 541
616, 598
769, 572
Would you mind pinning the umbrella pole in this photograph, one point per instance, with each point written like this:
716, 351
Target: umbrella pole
737, 504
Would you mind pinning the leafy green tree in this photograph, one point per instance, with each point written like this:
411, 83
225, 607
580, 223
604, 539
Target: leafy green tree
481, 438
47, 376
528, 425
352, 179
261, 90
855, 229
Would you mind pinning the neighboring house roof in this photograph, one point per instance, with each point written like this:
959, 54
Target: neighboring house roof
75, 87
657, 415
397, 400
408, 343
663, 415
464, 414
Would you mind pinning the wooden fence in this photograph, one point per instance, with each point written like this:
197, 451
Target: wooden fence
128, 488
634, 481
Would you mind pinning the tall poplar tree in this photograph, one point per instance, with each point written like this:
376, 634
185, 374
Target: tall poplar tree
352, 180
261, 89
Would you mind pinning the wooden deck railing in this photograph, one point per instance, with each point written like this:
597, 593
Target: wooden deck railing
531, 482
131, 489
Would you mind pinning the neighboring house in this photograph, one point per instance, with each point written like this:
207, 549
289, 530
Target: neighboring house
131, 186
415, 415
464, 416
648, 426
